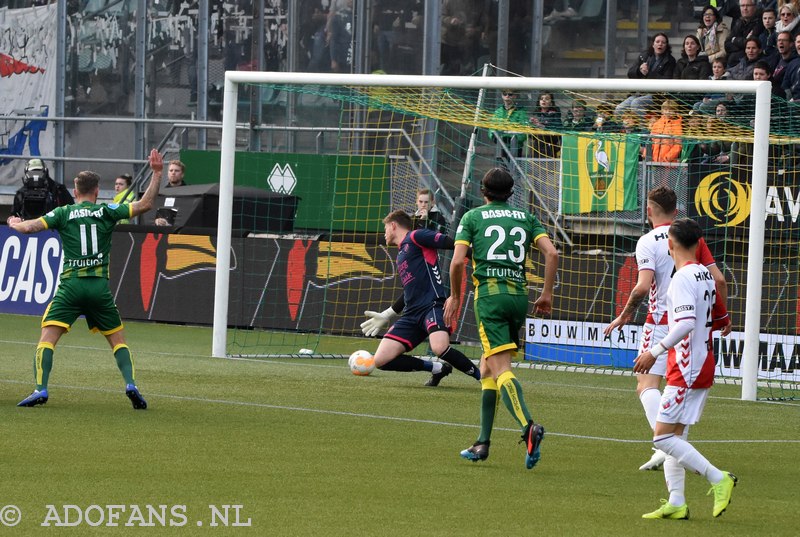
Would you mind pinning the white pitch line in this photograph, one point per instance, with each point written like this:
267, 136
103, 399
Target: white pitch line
268, 406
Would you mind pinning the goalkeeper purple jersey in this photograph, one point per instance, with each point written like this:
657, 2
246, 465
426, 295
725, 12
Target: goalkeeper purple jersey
419, 271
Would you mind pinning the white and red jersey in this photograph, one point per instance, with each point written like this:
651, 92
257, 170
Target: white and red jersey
652, 253
691, 296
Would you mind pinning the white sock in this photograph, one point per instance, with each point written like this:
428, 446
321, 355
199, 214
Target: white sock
651, 401
675, 475
688, 456
437, 367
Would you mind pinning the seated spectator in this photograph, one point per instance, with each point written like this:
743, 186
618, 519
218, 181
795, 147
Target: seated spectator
654, 63
718, 152
744, 69
578, 117
511, 113
692, 65
546, 116
665, 148
123, 192
712, 34
39, 193
791, 76
605, 121
631, 123
175, 174
785, 56
788, 19
710, 100
769, 38
747, 26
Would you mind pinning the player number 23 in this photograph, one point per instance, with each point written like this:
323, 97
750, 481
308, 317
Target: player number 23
516, 253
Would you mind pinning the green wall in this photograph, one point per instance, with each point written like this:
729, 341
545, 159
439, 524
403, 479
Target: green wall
342, 193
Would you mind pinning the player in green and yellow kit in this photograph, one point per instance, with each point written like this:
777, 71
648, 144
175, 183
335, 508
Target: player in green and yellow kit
86, 229
500, 237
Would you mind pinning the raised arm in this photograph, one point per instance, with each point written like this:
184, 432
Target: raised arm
149, 197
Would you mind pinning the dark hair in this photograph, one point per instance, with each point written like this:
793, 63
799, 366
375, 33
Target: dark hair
497, 184
86, 181
763, 64
717, 16
685, 232
772, 9
664, 197
127, 177
697, 42
755, 40
652, 51
400, 218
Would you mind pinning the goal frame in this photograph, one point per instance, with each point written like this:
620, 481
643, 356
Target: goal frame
761, 90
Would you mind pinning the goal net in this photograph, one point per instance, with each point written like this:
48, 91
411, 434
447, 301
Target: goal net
299, 263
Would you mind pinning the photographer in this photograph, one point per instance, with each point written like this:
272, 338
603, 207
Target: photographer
39, 193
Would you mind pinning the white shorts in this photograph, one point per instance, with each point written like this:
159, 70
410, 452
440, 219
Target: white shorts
650, 336
682, 405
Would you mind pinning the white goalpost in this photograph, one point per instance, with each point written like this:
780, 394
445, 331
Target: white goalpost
760, 144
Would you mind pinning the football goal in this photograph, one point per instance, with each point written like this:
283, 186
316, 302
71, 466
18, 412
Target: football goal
299, 264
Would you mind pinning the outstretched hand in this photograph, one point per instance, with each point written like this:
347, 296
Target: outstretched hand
156, 161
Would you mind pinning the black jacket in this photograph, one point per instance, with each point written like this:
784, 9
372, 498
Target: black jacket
34, 202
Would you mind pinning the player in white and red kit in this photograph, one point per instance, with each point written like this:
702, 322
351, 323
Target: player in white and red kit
655, 273
690, 374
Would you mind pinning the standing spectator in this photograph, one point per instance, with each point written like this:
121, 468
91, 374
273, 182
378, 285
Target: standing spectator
748, 25
654, 63
509, 112
546, 116
175, 174
39, 193
427, 215
712, 34
666, 148
340, 35
461, 30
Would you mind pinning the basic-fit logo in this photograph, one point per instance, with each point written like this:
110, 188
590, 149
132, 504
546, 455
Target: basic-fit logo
723, 199
281, 179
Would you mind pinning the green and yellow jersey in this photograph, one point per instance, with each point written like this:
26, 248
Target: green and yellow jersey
500, 237
85, 231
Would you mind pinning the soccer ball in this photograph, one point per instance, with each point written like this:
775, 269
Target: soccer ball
361, 363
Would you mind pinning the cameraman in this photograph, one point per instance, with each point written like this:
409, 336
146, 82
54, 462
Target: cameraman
39, 193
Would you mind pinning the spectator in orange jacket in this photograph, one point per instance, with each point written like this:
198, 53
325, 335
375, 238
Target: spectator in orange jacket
668, 124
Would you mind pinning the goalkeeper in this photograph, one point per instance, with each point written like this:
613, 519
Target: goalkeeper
422, 305
86, 229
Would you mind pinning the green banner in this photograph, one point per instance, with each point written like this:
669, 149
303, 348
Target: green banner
342, 193
599, 174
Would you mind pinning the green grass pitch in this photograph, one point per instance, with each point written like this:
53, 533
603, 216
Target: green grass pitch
306, 448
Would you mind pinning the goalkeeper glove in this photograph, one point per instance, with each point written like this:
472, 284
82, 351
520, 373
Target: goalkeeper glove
377, 321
